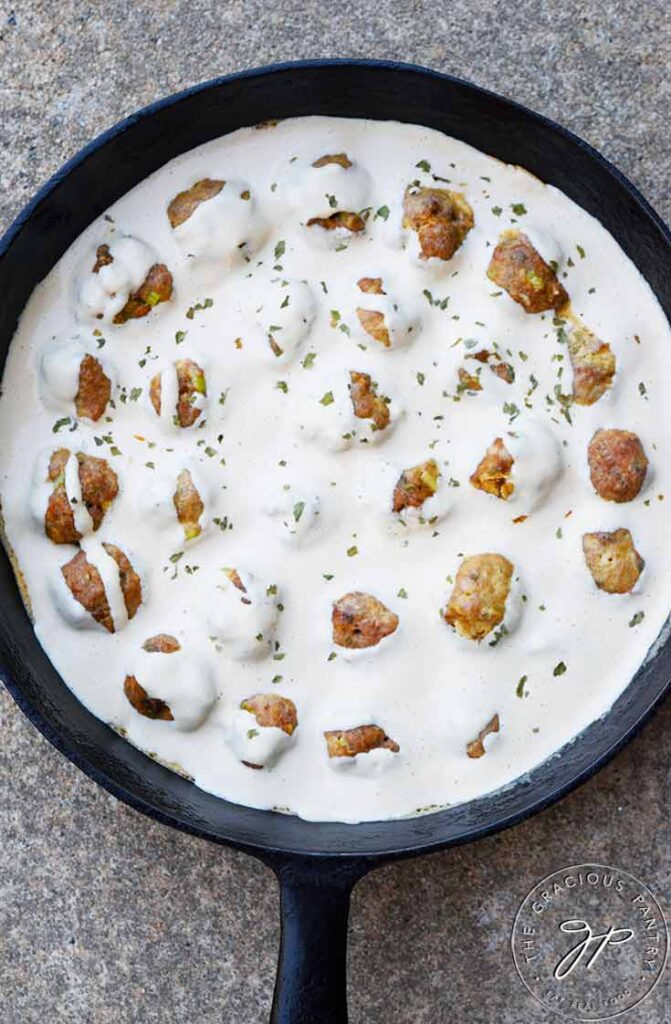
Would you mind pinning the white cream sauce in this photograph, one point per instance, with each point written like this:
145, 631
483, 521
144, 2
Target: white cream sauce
265, 443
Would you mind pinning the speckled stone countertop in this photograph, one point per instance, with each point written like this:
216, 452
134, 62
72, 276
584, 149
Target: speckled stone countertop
109, 918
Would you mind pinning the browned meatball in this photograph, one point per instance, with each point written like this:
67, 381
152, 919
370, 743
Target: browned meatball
593, 365
366, 402
162, 643
441, 218
99, 488
190, 383
99, 484
617, 464
188, 505
186, 203
353, 222
341, 159
360, 620
148, 707
613, 561
372, 321
350, 742
151, 707
348, 220
478, 600
416, 485
156, 287
95, 389
493, 473
476, 748
271, 709
86, 585
520, 270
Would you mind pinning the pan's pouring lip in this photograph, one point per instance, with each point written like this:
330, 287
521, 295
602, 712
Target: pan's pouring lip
97, 750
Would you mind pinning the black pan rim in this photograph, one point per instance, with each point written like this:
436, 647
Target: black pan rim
372, 852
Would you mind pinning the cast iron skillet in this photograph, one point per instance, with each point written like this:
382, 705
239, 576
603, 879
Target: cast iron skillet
317, 864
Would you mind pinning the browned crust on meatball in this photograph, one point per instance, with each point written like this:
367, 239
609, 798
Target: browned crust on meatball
188, 505
360, 620
493, 473
478, 600
271, 709
348, 220
613, 561
341, 159
59, 520
372, 321
617, 464
156, 288
187, 202
148, 707
593, 365
99, 484
521, 271
95, 389
416, 485
162, 643
366, 402
103, 258
350, 742
190, 383
131, 585
441, 219
375, 325
476, 748
86, 586
371, 285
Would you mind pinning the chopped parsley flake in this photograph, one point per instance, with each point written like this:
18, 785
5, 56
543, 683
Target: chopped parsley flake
326, 399
559, 669
637, 619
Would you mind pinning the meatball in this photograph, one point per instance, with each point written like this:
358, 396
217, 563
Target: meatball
148, 707
493, 473
372, 321
476, 748
366, 402
416, 485
478, 600
345, 219
341, 159
86, 585
272, 710
613, 561
350, 742
617, 464
360, 620
156, 287
95, 389
190, 384
520, 270
441, 219
99, 487
186, 203
188, 505
593, 365
162, 643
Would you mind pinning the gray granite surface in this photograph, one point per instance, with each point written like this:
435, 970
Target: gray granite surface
109, 918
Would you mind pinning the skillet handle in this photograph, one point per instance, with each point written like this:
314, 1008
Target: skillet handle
311, 984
